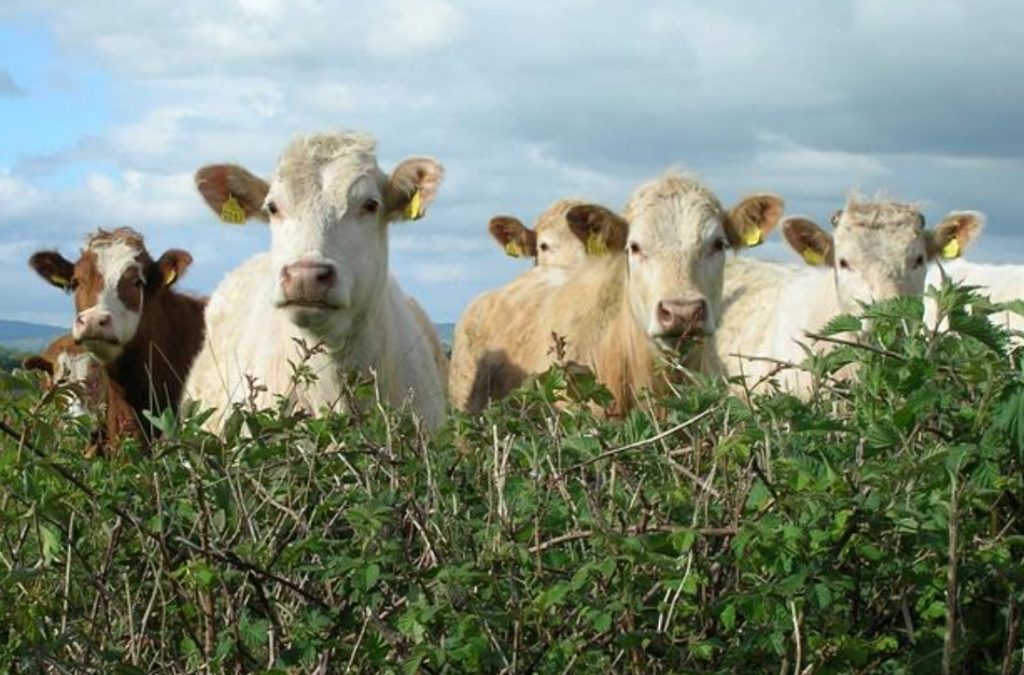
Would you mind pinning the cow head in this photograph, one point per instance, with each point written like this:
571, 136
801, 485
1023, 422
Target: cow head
674, 235
550, 242
113, 281
880, 249
328, 205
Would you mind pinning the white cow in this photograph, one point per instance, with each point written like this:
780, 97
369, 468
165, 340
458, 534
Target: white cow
657, 292
1001, 283
880, 250
324, 280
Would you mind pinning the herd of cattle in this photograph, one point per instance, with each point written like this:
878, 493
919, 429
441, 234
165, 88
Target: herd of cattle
619, 292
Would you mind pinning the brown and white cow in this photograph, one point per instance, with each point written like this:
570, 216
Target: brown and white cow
878, 250
549, 243
129, 316
325, 280
90, 392
656, 293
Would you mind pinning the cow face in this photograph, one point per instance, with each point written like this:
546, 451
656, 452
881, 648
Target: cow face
328, 205
551, 243
675, 235
112, 282
880, 250
557, 245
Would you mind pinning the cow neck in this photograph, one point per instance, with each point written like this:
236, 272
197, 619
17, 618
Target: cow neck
623, 357
153, 366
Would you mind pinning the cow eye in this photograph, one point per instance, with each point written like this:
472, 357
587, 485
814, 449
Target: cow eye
719, 245
73, 284
919, 261
371, 205
634, 248
544, 246
270, 208
842, 263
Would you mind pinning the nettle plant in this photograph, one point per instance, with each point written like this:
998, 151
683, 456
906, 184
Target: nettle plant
874, 528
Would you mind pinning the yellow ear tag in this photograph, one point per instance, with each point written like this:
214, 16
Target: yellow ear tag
812, 257
414, 209
232, 211
170, 277
512, 248
951, 249
595, 245
60, 281
753, 236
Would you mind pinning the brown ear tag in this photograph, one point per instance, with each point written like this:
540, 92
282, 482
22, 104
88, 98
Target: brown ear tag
232, 212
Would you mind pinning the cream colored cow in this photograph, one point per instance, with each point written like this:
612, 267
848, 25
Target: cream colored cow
657, 292
325, 280
549, 243
879, 250
1001, 283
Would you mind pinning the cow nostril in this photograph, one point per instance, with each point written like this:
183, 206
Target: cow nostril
285, 275
665, 315
80, 320
699, 312
325, 275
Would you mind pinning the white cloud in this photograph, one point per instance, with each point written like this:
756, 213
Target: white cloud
405, 27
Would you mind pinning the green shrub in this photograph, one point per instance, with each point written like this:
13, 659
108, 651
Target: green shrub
874, 528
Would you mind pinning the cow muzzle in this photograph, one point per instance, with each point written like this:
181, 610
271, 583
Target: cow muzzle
308, 285
680, 320
94, 330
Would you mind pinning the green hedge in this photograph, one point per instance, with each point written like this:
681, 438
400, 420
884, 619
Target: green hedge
877, 527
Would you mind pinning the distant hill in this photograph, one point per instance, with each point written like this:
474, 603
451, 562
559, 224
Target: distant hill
33, 337
445, 331
27, 337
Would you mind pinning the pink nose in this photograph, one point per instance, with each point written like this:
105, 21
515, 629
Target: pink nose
682, 317
307, 281
93, 324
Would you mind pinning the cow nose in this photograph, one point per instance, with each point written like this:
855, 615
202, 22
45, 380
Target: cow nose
93, 322
307, 281
681, 317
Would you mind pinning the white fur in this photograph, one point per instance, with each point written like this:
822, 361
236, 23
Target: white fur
1001, 283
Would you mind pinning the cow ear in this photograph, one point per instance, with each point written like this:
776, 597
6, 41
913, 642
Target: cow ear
812, 243
37, 363
412, 187
234, 194
53, 267
518, 240
954, 234
172, 265
752, 220
600, 229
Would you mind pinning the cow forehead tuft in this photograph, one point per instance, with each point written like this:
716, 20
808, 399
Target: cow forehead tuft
121, 236
879, 214
311, 161
553, 217
671, 189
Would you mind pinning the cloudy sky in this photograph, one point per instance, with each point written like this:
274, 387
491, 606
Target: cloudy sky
107, 108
